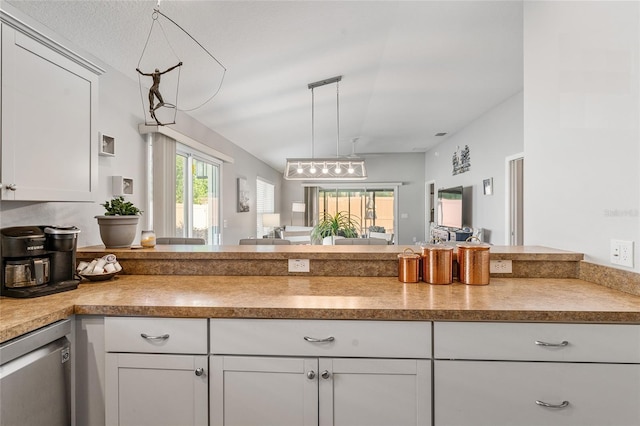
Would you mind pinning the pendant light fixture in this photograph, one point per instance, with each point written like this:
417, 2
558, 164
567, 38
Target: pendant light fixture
325, 169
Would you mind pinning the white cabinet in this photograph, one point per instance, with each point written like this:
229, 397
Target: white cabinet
320, 372
49, 109
263, 391
374, 392
156, 371
534, 374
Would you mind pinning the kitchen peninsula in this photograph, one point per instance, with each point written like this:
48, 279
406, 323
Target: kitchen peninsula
235, 311
349, 282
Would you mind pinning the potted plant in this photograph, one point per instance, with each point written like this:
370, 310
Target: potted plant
340, 224
119, 223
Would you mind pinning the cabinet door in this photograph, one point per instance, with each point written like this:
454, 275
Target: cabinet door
155, 390
374, 392
49, 105
263, 391
505, 393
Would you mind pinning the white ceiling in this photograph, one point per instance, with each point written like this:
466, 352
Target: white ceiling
410, 68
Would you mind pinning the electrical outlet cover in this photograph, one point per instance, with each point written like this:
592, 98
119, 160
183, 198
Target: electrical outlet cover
500, 267
621, 253
298, 265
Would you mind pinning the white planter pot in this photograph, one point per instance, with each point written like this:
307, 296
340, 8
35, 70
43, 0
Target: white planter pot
328, 241
118, 231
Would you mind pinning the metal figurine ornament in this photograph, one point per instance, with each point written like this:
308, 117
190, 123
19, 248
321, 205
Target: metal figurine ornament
154, 91
162, 110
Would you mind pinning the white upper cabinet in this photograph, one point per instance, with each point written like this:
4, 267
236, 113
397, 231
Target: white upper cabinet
49, 109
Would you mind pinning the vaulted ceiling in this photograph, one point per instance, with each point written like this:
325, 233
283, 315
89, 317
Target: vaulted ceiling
410, 69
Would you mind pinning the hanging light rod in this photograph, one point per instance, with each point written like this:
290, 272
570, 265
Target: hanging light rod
345, 168
325, 82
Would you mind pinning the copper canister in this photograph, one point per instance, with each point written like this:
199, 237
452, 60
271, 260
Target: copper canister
408, 266
473, 263
437, 264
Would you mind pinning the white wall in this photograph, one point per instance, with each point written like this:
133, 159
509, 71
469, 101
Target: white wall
238, 224
491, 138
120, 112
405, 168
581, 127
119, 106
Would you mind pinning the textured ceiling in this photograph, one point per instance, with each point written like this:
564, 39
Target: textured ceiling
410, 68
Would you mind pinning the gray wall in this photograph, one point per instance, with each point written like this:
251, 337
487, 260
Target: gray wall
407, 169
491, 138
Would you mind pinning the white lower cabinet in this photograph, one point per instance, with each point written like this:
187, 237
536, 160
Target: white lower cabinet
319, 390
312, 391
156, 390
154, 374
536, 374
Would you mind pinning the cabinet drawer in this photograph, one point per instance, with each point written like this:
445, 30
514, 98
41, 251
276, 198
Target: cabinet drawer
537, 342
505, 393
156, 335
381, 339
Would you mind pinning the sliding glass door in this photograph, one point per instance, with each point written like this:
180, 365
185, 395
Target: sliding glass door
373, 209
197, 196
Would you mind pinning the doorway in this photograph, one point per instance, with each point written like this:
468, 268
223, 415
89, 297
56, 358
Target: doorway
429, 208
515, 200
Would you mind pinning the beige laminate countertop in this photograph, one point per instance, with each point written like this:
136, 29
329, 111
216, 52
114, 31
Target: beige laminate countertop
381, 298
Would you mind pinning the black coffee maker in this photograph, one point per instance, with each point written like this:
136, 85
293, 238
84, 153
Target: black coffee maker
38, 260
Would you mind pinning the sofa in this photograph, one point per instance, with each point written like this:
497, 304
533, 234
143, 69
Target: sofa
297, 234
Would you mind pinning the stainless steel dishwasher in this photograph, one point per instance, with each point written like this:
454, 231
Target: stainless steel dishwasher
35, 378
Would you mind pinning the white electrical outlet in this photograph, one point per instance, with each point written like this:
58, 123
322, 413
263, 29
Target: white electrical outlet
298, 265
622, 253
500, 266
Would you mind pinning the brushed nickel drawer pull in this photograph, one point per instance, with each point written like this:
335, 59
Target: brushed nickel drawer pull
563, 343
146, 336
314, 340
546, 404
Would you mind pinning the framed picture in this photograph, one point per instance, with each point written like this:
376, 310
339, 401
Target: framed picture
243, 195
487, 185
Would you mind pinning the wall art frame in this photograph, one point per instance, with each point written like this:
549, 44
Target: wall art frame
244, 195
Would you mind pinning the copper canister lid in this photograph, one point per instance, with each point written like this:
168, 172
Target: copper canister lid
431, 247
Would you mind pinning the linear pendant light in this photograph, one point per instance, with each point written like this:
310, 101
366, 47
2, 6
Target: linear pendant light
325, 169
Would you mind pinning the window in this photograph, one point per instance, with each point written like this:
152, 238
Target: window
369, 207
197, 204
265, 203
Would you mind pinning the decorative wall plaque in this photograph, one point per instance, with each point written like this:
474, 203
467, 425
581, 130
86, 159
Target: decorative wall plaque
461, 160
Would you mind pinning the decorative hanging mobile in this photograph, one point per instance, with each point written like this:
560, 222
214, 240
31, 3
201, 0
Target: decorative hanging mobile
162, 107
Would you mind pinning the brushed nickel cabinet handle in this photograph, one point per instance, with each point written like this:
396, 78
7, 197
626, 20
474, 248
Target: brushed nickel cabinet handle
563, 404
325, 374
199, 371
12, 187
563, 343
146, 336
314, 340
311, 375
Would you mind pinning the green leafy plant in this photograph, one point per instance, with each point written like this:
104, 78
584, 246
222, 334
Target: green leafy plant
341, 224
119, 207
